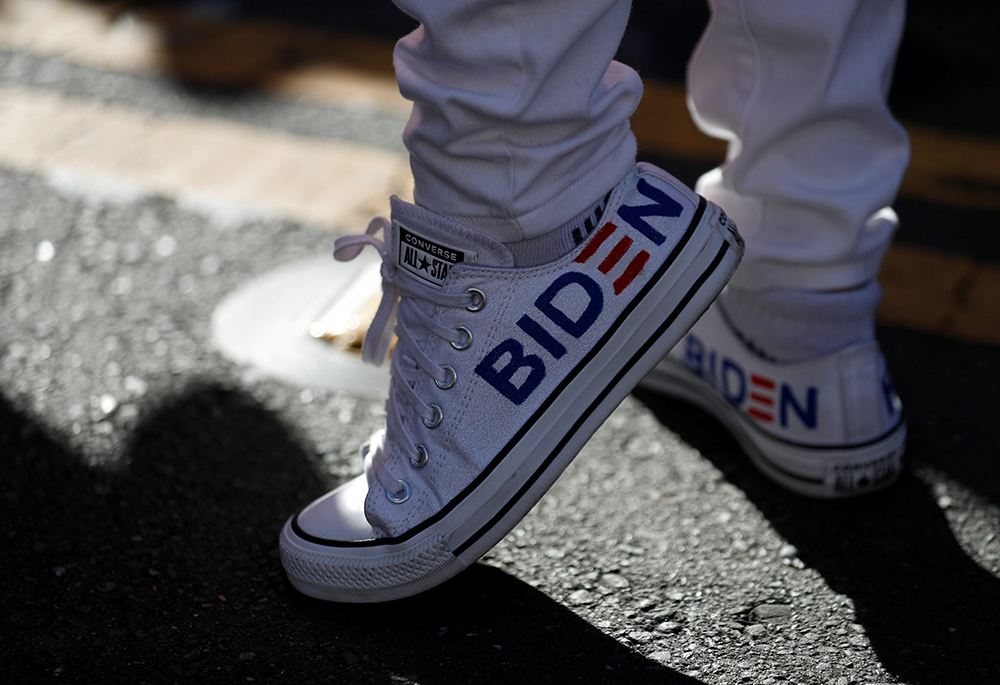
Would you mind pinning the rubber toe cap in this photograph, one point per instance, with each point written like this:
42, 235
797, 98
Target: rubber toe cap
339, 515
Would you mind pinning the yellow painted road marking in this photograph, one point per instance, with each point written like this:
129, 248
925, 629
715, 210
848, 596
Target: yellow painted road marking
953, 169
215, 163
944, 294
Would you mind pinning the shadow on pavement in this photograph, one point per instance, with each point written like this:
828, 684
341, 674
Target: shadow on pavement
951, 392
931, 613
167, 569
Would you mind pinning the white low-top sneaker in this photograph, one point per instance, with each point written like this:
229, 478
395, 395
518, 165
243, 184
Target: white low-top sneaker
828, 427
499, 377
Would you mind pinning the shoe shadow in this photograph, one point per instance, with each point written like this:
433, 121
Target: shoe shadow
168, 569
929, 612
951, 404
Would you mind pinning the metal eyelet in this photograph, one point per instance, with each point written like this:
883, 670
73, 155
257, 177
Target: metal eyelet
464, 345
422, 457
437, 419
400, 498
452, 377
478, 299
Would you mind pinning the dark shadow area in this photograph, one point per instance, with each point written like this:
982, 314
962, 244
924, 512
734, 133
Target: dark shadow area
948, 68
931, 613
967, 231
951, 394
168, 570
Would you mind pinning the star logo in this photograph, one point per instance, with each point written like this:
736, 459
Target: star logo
424, 264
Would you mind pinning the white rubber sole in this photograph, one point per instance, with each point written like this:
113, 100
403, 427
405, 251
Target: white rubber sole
479, 517
828, 472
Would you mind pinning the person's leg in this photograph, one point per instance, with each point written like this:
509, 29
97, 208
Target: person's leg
539, 276
520, 117
815, 158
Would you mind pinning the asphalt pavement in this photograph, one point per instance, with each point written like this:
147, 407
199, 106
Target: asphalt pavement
145, 476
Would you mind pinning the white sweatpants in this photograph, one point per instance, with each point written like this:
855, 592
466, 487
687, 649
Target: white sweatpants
520, 122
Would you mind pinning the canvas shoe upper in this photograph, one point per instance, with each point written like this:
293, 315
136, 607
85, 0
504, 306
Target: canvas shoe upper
499, 376
825, 427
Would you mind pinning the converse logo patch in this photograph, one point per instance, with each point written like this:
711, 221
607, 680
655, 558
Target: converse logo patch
428, 260
869, 475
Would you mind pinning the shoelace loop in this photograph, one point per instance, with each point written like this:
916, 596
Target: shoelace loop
403, 310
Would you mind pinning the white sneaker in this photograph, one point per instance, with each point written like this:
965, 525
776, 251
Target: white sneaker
828, 427
500, 375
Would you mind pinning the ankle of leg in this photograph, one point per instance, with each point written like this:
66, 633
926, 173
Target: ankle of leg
560, 241
793, 325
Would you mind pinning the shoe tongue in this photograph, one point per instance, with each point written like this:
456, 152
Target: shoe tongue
427, 245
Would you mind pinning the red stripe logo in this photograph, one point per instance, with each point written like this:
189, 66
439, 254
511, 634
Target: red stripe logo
614, 256
761, 404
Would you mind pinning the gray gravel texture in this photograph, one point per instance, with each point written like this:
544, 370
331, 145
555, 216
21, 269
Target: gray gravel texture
145, 479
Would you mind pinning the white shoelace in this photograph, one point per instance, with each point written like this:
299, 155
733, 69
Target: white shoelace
402, 311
